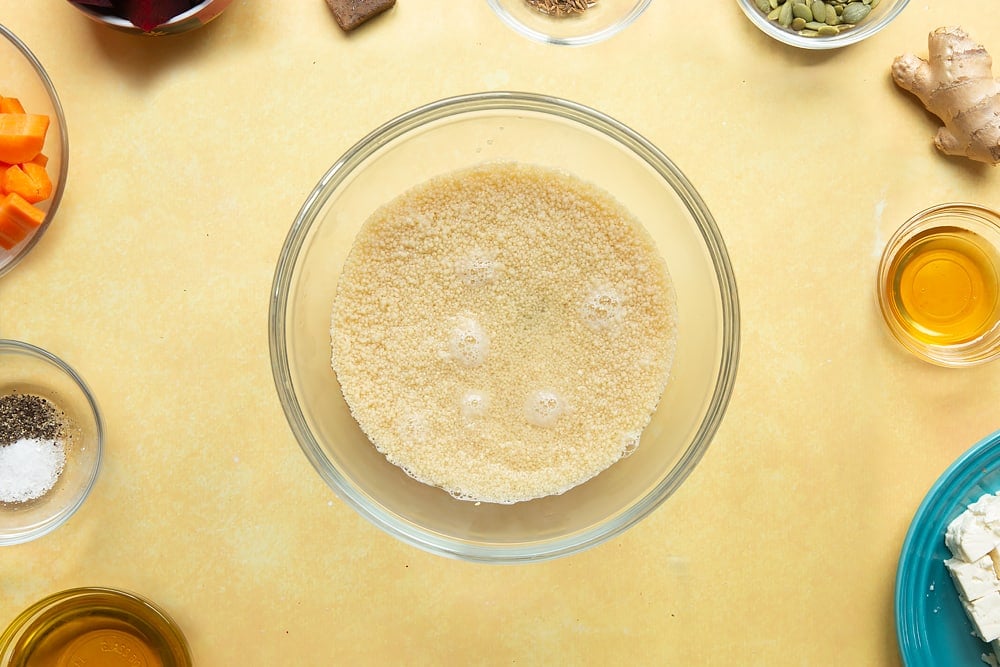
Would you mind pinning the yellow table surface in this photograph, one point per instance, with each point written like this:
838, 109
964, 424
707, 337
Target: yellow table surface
190, 157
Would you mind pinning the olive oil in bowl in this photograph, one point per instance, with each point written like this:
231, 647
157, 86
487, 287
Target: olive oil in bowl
93, 626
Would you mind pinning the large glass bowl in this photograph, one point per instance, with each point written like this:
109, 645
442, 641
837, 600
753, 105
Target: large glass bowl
22, 76
461, 132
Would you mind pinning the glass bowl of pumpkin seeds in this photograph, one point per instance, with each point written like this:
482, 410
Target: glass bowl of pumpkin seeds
568, 22
821, 24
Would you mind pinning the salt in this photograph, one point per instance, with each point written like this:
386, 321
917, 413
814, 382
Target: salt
29, 468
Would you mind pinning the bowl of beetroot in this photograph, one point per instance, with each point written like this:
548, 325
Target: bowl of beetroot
152, 17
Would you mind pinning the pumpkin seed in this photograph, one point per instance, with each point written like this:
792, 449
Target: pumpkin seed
798, 24
818, 8
802, 12
785, 15
764, 5
855, 12
827, 30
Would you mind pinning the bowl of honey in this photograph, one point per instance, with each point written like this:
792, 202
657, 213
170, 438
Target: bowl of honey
938, 284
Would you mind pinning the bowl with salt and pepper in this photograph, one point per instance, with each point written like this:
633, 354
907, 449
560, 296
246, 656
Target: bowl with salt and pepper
51, 437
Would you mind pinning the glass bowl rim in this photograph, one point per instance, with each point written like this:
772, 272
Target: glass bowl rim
575, 40
63, 514
947, 356
60, 119
860, 33
642, 149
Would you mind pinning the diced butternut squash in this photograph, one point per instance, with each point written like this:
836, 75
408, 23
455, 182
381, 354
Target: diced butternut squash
18, 218
22, 136
29, 180
10, 105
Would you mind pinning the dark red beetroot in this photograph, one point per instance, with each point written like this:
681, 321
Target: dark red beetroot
147, 15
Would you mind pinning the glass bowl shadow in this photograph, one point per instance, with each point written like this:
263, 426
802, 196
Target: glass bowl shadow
461, 132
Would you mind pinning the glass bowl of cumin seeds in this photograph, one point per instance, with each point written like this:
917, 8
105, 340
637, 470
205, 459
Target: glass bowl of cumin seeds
568, 22
51, 437
492, 141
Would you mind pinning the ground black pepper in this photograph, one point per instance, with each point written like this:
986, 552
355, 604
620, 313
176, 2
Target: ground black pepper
28, 416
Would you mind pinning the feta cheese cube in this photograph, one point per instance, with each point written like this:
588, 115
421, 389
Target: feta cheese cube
969, 538
985, 615
987, 507
974, 580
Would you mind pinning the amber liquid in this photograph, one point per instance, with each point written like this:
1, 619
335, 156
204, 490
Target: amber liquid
94, 632
943, 285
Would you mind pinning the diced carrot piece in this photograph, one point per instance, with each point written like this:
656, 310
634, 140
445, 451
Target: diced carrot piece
10, 105
17, 218
22, 136
16, 208
11, 233
13, 179
41, 159
28, 180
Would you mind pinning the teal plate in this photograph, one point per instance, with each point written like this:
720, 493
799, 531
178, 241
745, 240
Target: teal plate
931, 625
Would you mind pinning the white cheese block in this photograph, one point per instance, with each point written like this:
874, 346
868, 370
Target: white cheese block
985, 616
973, 580
987, 507
969, 538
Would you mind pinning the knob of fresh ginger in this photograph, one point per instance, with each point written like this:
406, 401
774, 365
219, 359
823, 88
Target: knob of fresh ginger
956, 84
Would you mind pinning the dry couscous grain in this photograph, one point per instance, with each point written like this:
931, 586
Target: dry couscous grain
503, 332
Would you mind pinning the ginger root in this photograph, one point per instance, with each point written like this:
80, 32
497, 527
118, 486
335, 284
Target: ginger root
956, 84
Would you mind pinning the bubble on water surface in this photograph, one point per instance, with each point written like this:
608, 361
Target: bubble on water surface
479, 267
468, 343
474, 403
543, 408
603, 308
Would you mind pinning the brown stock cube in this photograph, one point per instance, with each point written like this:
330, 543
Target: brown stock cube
352, 13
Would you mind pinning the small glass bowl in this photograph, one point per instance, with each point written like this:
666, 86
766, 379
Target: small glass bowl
26, 369
81, 626
193, 18
599, 22
24, 77
880, 17
978, 226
